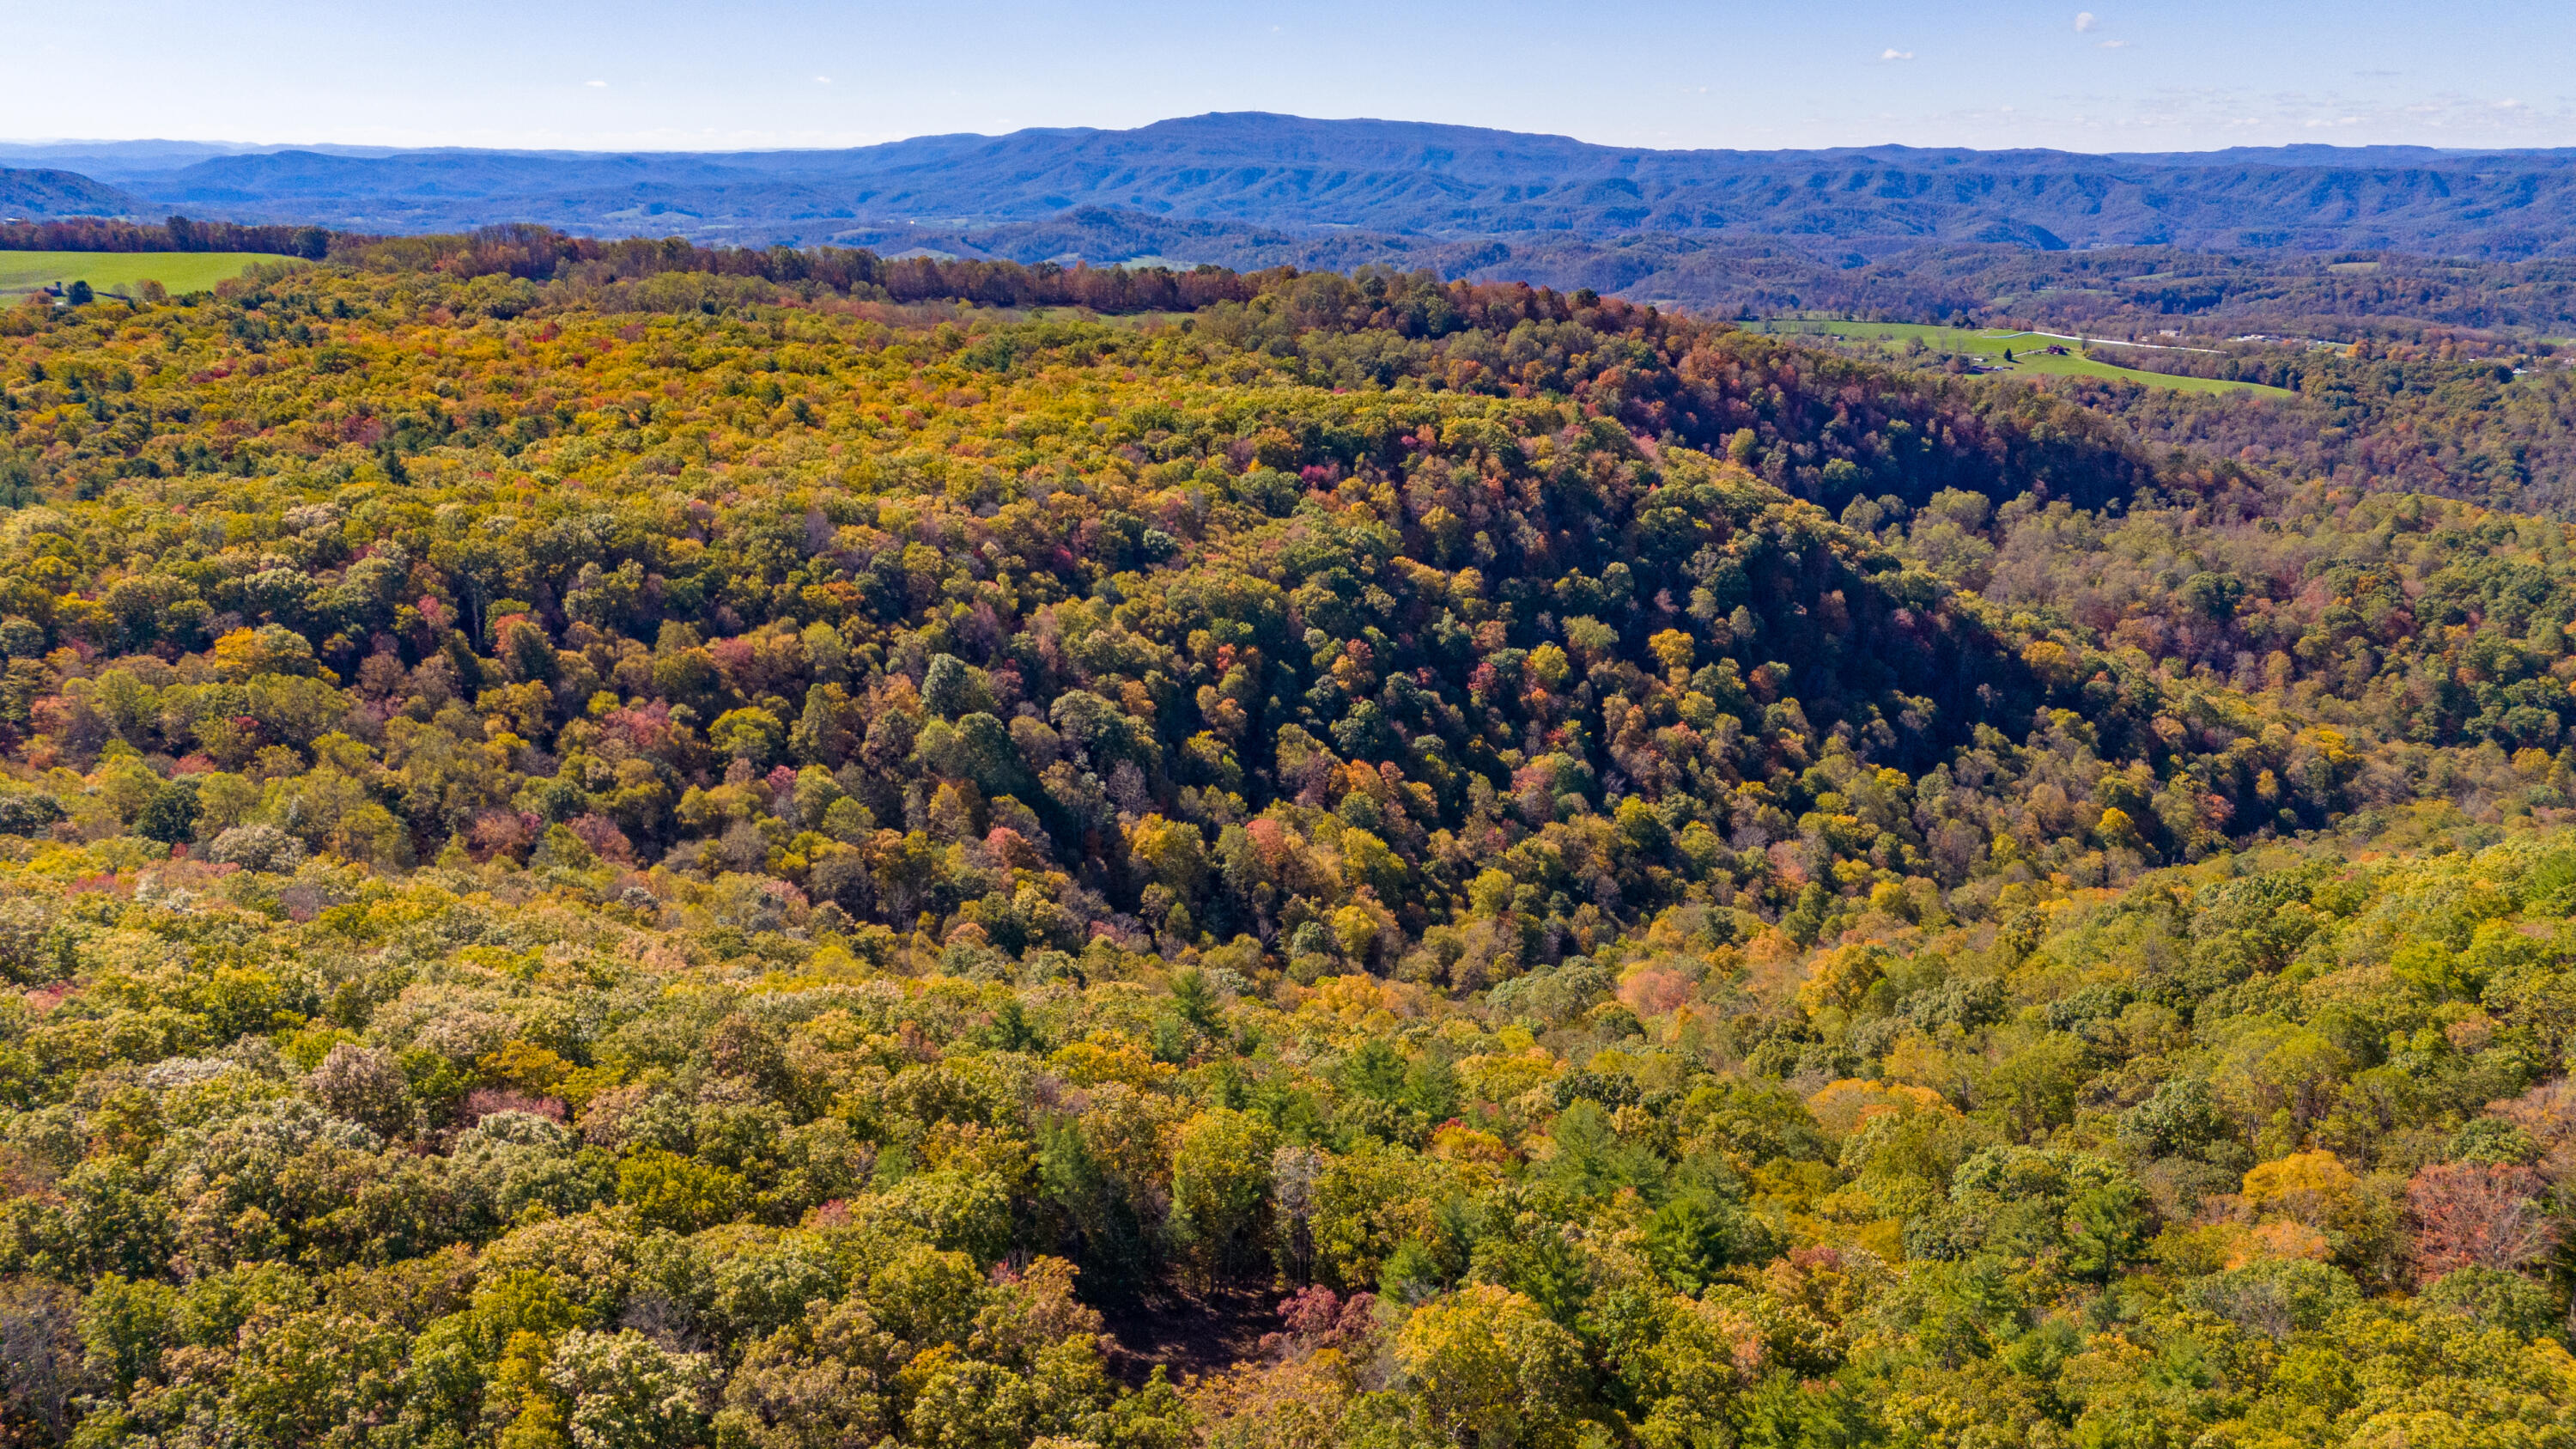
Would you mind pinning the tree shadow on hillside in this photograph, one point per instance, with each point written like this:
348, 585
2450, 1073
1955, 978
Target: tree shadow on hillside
1187, 1332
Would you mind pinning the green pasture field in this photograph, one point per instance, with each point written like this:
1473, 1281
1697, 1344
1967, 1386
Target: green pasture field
1135, 321
122, 271
2029, 349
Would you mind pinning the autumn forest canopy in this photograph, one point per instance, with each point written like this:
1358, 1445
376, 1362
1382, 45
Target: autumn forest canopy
626, 844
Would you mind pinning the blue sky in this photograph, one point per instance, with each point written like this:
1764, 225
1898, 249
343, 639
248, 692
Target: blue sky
2185, 75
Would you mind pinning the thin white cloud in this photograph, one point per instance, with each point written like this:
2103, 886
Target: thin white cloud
596, 85
1892, 53
2084, 20
2110, 45
822, 80
2209, 115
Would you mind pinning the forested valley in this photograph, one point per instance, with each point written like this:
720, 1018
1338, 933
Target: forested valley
619, 845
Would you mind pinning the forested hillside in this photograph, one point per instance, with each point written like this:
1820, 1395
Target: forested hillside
2456, 415
599, 853
46, 191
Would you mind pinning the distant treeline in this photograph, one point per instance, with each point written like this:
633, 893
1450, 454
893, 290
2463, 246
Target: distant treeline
2284, 366
541, 254
2141, 291
178, 234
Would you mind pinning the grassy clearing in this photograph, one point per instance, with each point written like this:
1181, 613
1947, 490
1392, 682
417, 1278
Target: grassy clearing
122, 271
2030, 356
1131, 321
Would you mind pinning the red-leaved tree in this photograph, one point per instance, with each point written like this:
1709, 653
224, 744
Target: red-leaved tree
2470, 1213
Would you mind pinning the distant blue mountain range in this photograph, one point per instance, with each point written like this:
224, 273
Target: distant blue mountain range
1756, 229
1311, 177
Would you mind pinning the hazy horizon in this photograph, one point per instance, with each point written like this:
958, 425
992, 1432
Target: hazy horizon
239, 145
797, 74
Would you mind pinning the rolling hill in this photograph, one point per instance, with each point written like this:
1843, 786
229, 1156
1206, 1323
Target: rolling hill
672, 862
50, 193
